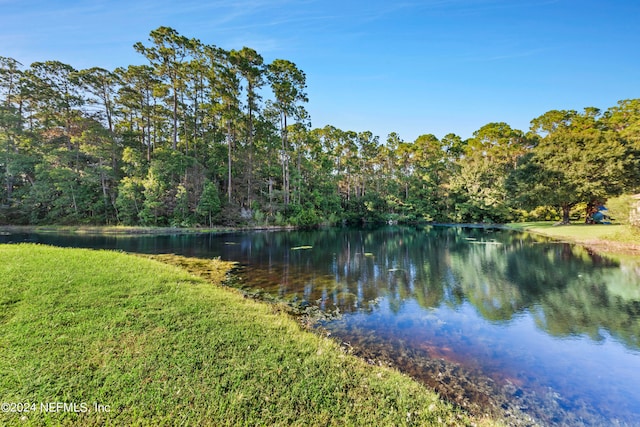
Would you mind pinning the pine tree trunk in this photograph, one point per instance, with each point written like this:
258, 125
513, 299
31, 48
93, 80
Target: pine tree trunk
229, 164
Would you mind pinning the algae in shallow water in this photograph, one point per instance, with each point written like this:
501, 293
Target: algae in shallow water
212, 270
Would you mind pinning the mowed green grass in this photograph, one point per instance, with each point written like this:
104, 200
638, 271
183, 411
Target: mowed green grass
580, 232
576, 230
154, 345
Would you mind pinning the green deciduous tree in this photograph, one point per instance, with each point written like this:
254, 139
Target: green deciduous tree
582, 162
209, 204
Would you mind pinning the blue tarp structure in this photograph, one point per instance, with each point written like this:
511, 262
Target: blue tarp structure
600, 216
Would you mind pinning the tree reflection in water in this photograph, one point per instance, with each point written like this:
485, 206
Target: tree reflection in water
542, 326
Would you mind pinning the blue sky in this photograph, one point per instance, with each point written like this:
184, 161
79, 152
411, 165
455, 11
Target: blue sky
405, 66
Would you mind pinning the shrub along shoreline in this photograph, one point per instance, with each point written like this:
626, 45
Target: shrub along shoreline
106, 338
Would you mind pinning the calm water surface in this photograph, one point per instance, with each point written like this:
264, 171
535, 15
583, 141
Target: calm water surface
494, 320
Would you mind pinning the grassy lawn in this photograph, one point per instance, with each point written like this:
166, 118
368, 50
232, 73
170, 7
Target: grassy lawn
611, 238
153, 345
575, 231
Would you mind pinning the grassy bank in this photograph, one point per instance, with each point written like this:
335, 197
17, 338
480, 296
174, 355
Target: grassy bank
124, 230
606, 238
106, 338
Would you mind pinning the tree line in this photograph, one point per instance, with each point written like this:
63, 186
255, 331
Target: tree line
202, 136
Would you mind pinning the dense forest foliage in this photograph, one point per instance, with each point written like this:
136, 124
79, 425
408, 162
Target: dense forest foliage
203, 135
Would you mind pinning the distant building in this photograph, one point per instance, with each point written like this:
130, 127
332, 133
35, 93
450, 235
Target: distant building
634, 215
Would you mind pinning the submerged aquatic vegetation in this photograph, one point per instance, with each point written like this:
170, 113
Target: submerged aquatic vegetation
212, 270
222, 272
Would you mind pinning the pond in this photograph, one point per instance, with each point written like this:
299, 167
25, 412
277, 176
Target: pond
497, 321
